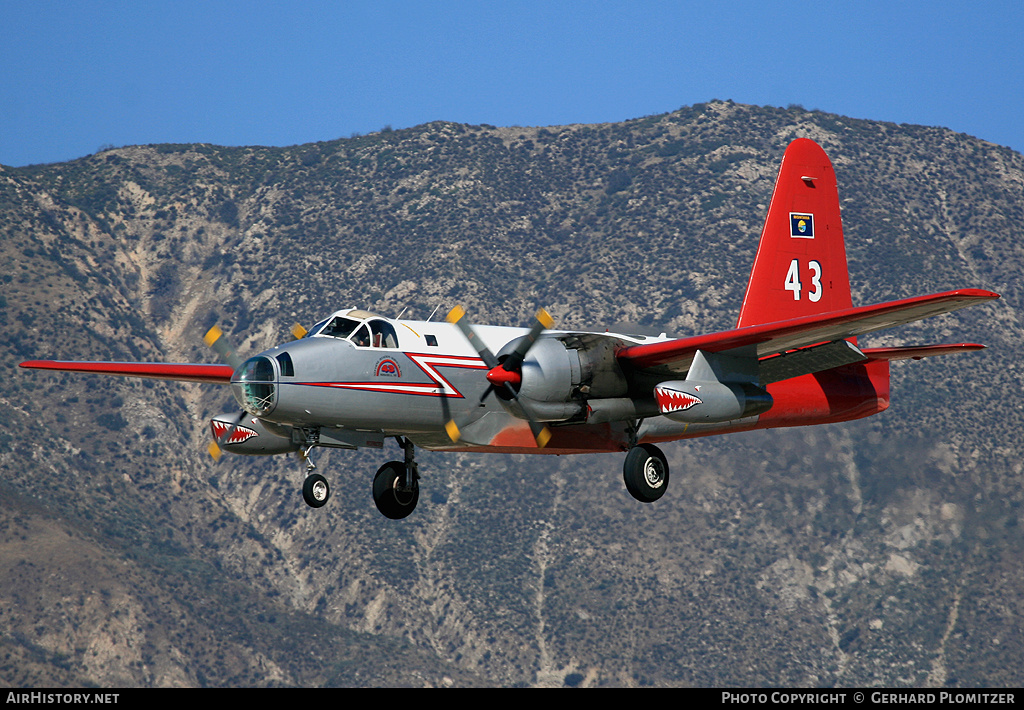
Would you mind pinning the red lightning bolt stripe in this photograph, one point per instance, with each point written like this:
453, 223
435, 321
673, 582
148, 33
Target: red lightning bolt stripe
439, 386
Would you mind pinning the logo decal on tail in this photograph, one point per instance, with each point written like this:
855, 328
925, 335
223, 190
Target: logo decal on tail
801, 225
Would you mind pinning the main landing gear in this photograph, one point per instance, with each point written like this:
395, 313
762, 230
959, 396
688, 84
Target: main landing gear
645, 472
396, 487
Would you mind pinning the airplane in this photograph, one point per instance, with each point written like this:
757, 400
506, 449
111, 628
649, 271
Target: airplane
356, 379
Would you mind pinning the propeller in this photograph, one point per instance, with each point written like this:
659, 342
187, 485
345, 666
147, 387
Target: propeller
506, 375
218, 342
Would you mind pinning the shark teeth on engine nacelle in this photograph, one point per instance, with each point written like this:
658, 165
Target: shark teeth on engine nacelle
698, 401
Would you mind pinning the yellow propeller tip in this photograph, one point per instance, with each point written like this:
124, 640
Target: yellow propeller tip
453, 430
455, 314
214, 450
545, 318
543, 437
212, 335
298, 331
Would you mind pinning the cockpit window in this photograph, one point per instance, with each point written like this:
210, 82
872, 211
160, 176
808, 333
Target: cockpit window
339, 327
361, 338
383, 334
284, 360
375, 333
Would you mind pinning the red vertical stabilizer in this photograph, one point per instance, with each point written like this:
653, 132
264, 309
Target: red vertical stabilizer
800, 267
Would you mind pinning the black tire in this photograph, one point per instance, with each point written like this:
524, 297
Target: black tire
390, 501
315, 490
645, 472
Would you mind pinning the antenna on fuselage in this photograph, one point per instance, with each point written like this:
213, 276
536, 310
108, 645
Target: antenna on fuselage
433, 312
403, 311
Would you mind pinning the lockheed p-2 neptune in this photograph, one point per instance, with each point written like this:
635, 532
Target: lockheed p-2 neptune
356, 379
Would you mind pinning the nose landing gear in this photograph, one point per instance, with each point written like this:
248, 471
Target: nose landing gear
315, 489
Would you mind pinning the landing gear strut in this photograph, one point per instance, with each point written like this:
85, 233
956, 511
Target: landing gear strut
315, 490
645, 472
396, 487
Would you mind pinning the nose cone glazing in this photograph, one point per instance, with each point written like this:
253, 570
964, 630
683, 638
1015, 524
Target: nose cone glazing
253, 386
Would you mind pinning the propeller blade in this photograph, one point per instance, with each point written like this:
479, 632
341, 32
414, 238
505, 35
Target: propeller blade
452, 430
214, 447
541, 434
298, 331
457, 316
216, 340
214, 450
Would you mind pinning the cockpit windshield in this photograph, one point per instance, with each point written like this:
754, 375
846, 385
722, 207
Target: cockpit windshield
316, 328
339, 327
376, 332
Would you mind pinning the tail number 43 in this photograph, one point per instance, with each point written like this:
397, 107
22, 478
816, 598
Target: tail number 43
793, 280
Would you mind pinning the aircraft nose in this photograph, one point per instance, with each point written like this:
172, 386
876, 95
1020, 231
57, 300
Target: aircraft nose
254, 386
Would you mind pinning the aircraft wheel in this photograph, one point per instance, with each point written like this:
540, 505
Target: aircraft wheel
315, 490
645, 472
391, 500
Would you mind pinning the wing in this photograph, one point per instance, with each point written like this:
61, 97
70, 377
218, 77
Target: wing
182, 372
767, 339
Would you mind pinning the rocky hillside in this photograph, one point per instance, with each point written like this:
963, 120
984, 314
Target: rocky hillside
880, 552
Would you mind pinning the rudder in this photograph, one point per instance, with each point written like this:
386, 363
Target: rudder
800, 266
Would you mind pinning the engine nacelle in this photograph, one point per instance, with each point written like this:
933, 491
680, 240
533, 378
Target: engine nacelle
710, 401
559, 377
250, 436
550, 372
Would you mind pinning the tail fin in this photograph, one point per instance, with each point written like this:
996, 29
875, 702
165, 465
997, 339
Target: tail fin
800, 267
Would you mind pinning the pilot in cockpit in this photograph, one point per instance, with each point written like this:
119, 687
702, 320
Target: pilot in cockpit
362, 337
376, 331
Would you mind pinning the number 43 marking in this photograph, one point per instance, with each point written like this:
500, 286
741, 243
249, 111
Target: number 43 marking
793, 280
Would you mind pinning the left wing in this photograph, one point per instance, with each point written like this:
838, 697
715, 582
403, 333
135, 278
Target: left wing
182, 372
675, 356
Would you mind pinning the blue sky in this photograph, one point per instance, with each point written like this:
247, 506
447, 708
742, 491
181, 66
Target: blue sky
75, 76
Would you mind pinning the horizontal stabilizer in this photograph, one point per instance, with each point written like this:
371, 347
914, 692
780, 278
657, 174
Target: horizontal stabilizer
182, 372
920, 351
